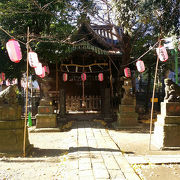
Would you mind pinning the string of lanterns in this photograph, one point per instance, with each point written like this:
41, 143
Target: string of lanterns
161, 53
83, 77
15, 55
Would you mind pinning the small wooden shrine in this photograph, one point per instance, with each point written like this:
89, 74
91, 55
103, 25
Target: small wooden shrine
86, 78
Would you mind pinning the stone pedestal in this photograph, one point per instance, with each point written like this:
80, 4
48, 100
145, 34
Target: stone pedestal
126, 115
12, 131
46, 117
167, 128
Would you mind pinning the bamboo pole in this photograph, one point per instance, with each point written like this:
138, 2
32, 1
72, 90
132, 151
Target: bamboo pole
27, 74
154, 87
110, 71
176, 64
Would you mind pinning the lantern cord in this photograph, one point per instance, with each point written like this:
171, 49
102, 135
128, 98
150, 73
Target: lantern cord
11, 35
25, 122
152, 107
142, 54
6, 32
113, 63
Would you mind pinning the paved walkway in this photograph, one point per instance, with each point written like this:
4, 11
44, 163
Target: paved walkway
89, 151
94, 155
86, 152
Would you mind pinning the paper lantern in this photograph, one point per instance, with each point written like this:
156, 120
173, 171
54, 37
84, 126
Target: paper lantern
2, 76
83, 76
47, 69
38, 69
100, 77
43, 73
33, 59
8, 82
14, 81
14, 50
65, 77
140, 66
162, 53
127, 72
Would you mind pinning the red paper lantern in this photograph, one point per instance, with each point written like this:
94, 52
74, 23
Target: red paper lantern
127, 72
47, 69
140, 66
100, 77
33, 59
39, 69
2, 76
83, 76
162, 53
14, 50
65, 77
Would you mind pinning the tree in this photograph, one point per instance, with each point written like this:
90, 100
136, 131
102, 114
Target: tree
51, 23
138, 20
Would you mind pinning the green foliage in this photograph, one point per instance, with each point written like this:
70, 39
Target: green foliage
51, 23
165, 14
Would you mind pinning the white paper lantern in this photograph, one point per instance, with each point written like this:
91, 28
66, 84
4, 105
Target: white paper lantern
38, 69
33, 59
162, 53
140, 66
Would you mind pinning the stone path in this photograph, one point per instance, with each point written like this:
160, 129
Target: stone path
94, 155
86, 152
153, 159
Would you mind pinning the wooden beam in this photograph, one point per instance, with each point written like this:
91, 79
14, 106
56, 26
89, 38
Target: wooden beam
94, 64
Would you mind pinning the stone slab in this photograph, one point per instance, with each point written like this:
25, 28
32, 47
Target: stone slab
155, 159
12, 141
126, 122
127, 119
170, 108
166, 135
11, 124
45, 109
46, 121
127, 115
168, 119
127, 108
10, 112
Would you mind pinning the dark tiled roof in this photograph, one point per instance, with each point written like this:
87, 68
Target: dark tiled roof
101, 36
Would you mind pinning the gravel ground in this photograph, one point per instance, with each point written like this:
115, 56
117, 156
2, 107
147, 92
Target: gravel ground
135, 142
47, 161
160, 172
49, 158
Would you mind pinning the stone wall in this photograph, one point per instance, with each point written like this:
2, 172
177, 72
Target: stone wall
12, 131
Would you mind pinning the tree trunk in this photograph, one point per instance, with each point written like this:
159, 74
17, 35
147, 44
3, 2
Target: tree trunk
19, 83
126, 50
